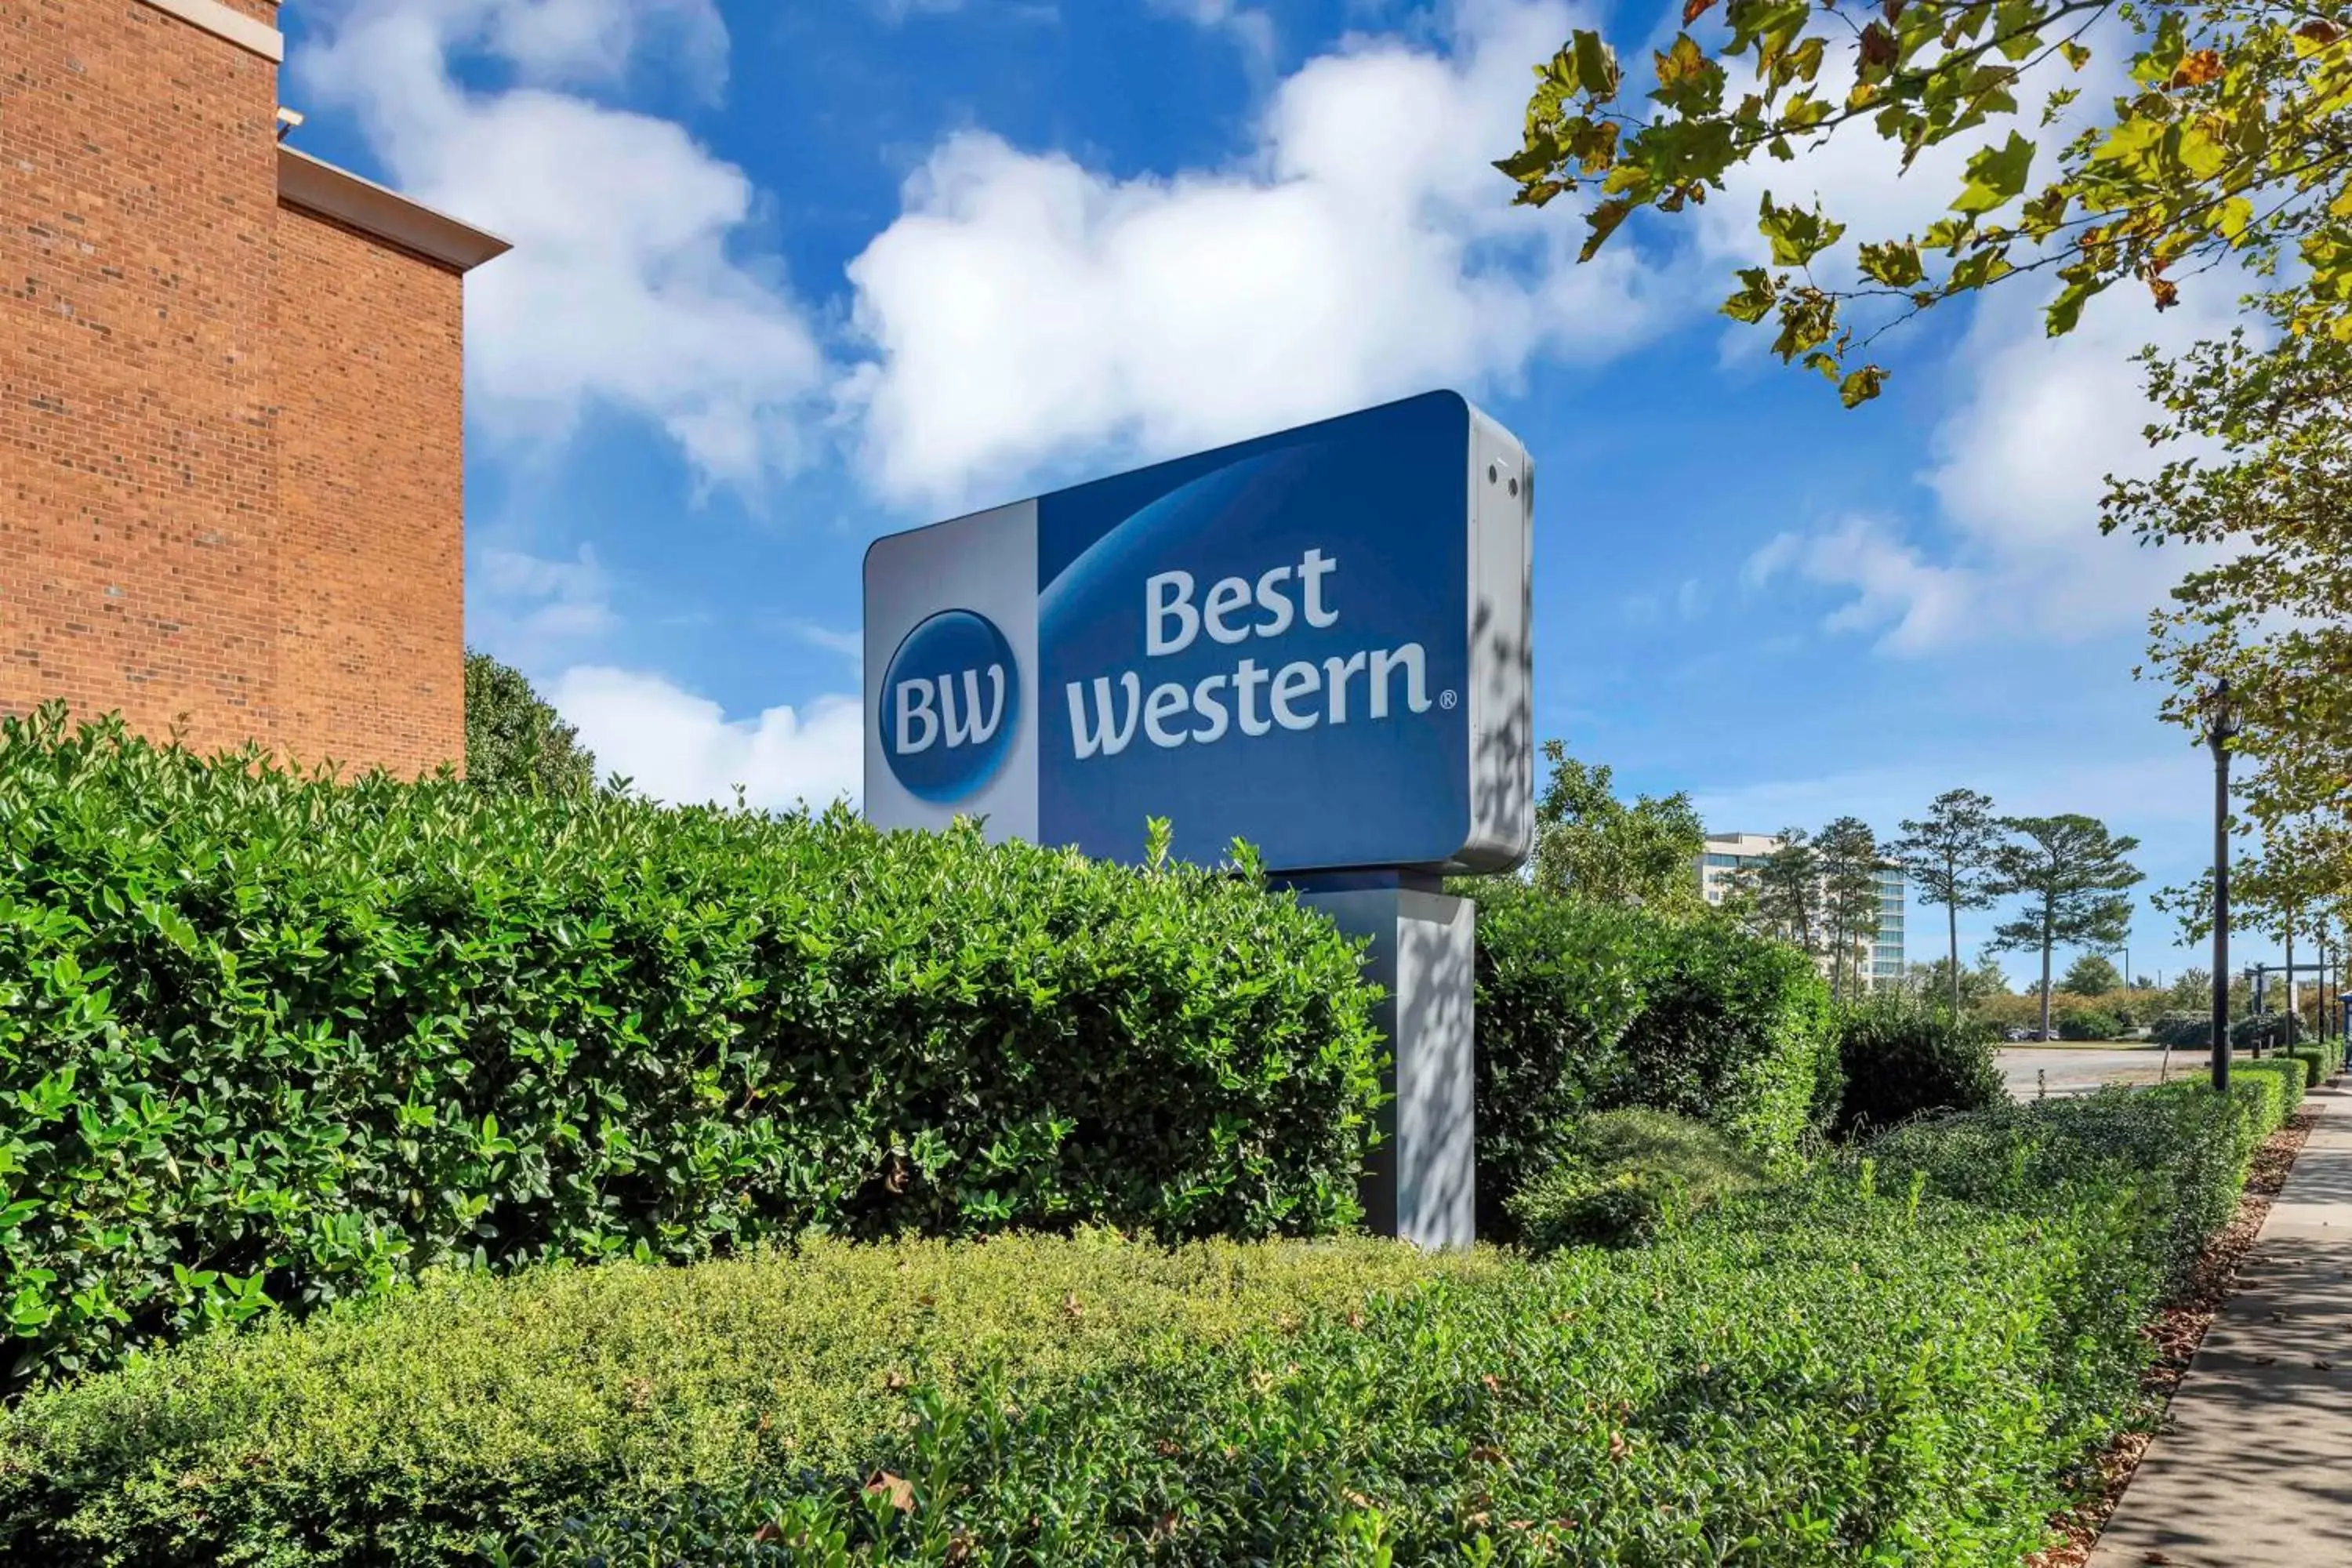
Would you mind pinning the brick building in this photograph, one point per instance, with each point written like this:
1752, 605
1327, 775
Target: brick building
231, 465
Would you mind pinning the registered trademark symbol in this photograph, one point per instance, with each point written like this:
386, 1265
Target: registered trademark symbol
1446, 700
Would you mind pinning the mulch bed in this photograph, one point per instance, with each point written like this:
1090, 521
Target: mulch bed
2177, 1331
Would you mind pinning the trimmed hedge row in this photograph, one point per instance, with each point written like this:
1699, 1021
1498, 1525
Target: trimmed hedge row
267, 1039
1911, 1355
1585, 1007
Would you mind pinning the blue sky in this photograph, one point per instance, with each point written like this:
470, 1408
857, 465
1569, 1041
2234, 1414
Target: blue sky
794, 274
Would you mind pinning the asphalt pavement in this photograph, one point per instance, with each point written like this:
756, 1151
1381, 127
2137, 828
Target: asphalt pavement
2078, 1069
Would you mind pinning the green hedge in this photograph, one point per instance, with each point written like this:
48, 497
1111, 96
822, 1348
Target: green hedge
1585, 1007
1627, 1176
1910, 1356
273, 1039
1901, 1058
2090, 1023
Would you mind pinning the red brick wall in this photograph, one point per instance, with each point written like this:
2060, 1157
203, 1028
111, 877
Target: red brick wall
138, 457
230, 459
371, 657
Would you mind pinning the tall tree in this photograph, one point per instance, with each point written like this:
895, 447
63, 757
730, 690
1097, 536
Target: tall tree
1592, 843
1785, 891
1849, 861
2192, 992
2071, 872
2233, 142
514, 739
1948, 856
2264, 491
2091, 974
1934, 978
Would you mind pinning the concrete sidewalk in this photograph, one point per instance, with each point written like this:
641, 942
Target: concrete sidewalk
2255, 1466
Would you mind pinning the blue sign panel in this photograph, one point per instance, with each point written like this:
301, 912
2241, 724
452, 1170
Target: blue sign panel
1314, 641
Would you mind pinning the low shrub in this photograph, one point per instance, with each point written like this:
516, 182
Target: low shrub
1627, 1175
398, 1429
2265, 1032
1901, 1057
1912, 1355
2090, 1023
1585, 1007
1738, 1031
2183, 1031
1560, 981
268, 1038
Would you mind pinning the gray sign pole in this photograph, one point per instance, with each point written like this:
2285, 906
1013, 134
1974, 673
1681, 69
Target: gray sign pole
1421, 1185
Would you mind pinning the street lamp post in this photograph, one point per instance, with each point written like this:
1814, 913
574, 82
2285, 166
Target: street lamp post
2222, 726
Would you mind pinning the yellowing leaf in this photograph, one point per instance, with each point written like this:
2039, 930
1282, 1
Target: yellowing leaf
2197, 68
1894, 265
1754, 302
1860, 387
1603, 220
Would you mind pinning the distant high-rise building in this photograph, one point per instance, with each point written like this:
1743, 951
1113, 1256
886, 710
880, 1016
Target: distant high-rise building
1726, 854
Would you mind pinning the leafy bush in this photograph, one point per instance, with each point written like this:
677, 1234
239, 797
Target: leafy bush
2183, 1031
1737, 1030
1901, 1057
1584, 1007
1627, 1175
2089, 1023
1560, 981
269, 1038
1907, 1356
2265, 1032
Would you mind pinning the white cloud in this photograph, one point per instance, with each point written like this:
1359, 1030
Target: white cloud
848, 644
622, 289
595, 41
524, 601
681, 747
1024, 307
2021, 461
1251, 29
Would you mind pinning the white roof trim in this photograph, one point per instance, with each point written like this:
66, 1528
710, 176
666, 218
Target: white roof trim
320, 187
223, 22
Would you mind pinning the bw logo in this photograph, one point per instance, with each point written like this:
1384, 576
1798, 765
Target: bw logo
951, 700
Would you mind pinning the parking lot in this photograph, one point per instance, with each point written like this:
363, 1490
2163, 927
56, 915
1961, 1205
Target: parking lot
2030, 1070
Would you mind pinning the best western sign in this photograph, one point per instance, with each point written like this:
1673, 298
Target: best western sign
1315, 641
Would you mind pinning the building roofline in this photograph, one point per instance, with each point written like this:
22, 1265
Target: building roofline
246, 32
317, 186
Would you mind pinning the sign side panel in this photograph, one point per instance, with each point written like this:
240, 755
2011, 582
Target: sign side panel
985, 563
1502, 659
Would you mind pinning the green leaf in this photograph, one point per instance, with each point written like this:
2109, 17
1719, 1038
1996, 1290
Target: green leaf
1597, 72
1798, 234
1995, 175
